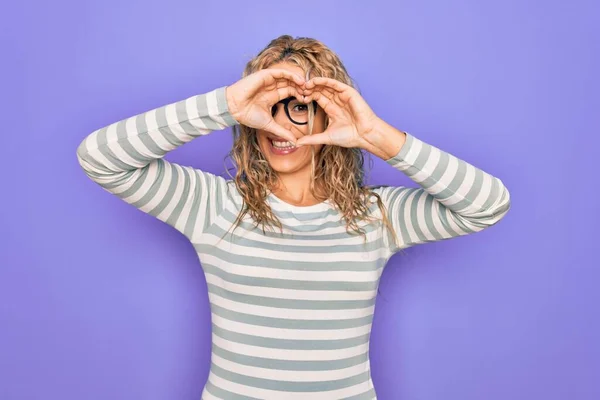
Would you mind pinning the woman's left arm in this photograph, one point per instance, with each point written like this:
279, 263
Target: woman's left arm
454, 198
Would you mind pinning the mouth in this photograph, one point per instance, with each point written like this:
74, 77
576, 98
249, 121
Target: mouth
281, 147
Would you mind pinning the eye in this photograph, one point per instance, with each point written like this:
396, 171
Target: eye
297, 107
301, 108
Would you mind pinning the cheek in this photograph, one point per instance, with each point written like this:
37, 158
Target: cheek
261, 139
319, 125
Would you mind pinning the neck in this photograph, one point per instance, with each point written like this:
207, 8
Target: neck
295, 189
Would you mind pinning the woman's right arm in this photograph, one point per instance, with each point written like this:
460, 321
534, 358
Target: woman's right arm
126, 159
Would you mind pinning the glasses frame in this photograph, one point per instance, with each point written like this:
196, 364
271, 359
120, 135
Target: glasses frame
286, 103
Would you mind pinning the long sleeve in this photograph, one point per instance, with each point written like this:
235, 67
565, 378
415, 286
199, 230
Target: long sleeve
454, 198
126, 159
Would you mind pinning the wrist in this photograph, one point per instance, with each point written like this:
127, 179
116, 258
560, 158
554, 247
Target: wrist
386, 139
231, 104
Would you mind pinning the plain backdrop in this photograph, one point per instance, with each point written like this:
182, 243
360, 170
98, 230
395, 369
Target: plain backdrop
101, 301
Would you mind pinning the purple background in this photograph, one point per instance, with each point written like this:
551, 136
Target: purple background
101, 301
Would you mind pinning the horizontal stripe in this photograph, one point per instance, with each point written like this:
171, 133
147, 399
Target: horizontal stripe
272, 312
335, 254
291, 376
330, 228
289, 365
298, 262
285, 333
295, 303
305, 243
263, 393
211, 392
289, 344
299, 230
290, 323
289, 386
287, 284
287, 354
286, 293
291, 273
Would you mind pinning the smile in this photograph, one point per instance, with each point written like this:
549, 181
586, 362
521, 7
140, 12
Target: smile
281, 148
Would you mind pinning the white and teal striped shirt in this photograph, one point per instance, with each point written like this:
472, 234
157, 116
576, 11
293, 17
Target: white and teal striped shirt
292, 310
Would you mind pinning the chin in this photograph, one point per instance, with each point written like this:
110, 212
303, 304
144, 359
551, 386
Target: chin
290, 163
287, 167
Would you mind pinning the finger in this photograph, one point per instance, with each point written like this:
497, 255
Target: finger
349, 98
321, 89
282, 90
287, 91
281, 74
315, 138
271, 78
275, 95
280, 131
344, 95
328, 105
280, 83
336, 97
328, 82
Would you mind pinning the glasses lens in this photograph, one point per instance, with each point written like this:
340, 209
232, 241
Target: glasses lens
298, 111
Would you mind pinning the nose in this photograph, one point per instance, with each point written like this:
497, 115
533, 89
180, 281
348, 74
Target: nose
278, 112
283, 121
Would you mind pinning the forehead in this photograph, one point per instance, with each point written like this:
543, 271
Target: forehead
289, 67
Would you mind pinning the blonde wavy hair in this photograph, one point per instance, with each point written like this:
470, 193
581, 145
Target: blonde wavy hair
336, 171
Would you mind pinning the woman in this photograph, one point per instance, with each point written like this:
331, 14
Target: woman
292, 286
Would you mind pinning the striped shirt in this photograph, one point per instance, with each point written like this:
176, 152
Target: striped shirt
291, 310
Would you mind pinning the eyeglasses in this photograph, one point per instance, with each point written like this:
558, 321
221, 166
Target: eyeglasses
296, 111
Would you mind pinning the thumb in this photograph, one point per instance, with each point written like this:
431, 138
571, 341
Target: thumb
315, 138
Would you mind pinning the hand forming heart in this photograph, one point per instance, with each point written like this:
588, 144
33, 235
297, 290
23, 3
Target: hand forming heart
350, 117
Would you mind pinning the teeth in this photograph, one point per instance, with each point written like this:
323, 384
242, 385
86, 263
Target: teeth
283, 145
